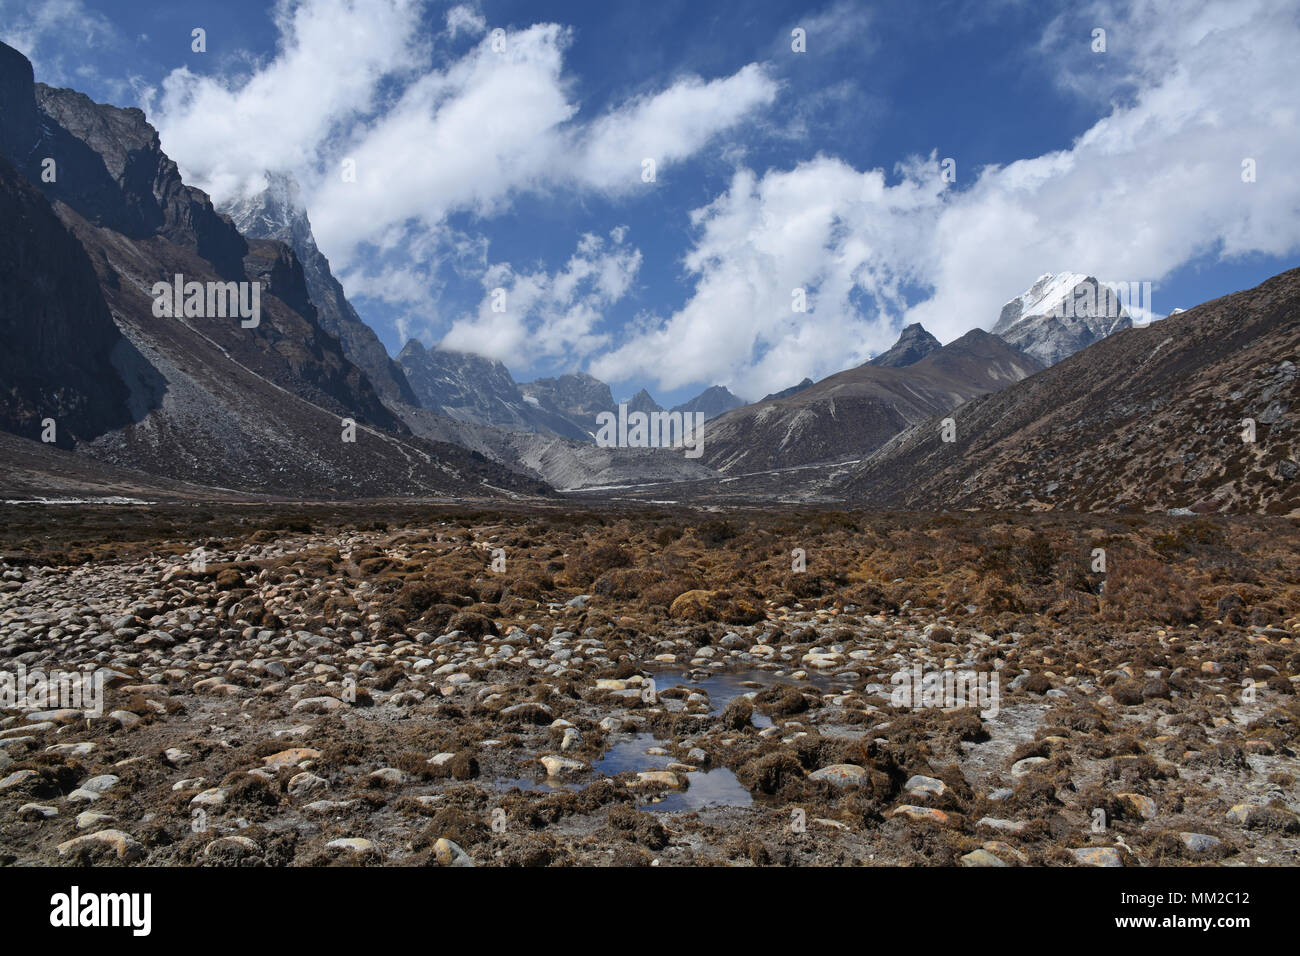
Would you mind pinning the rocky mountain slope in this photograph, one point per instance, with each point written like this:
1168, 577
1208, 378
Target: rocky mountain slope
478, 390
787, 392
575, 395
209, 401
563, 463
1148, 419
852, 413
277, 213
713, 401
643, 402
1059, 315
914, 344
59, 336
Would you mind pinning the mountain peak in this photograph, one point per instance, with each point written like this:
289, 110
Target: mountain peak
576, 396
787, 392
713, 401
914, 343
1059, 314
642, 402
277, 212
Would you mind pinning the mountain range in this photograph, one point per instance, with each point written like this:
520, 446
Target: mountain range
1150, 418
855, 411
263, 410
1064, 404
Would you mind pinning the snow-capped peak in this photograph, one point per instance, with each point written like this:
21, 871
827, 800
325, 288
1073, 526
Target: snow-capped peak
1046, 295
1061, 313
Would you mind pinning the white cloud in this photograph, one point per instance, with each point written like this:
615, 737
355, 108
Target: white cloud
462, 138
225, 131
550, 315
465, 19
59, 37
1154, 184
493, 124
822, 227
465, 135
1186, 93
841, 24
668, 126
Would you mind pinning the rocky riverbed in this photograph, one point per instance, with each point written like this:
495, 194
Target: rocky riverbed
507, 690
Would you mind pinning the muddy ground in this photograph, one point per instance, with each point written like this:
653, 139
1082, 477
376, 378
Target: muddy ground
408, 685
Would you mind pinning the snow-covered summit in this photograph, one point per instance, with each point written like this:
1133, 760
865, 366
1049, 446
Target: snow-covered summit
1060, 314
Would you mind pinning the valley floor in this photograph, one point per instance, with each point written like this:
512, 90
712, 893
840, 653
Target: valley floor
418, 685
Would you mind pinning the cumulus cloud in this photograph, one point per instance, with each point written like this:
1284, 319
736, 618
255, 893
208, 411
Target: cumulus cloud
667, 126
461, 138
1187, 93
60, 37
495, 123
225, 131
838, 235
463, 134
550, 314
465, 19
1152, 185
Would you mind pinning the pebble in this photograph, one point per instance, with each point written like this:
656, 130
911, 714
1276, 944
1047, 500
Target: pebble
1022, 767
93, 788
981, 857
559, 766
449, 853
236, 845
918, 814
1199, 842
1098, 856
318, 705
919, 785
17, 778
352, 844
330, 806
82, 749
660, 778
306, 782
123, 844
1138, 803
840, 774
291, 757
1008, 826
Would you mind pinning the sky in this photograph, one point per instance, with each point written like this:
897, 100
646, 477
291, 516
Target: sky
636, 190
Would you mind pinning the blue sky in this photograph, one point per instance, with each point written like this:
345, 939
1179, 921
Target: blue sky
482, 168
